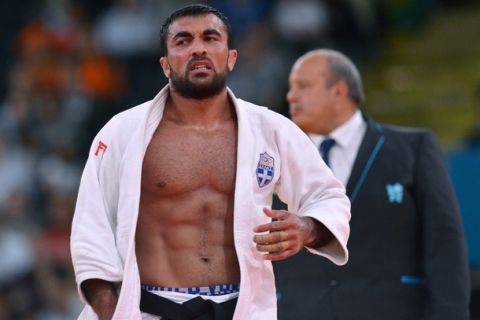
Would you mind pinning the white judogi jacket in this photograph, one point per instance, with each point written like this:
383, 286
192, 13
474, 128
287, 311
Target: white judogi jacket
273, 155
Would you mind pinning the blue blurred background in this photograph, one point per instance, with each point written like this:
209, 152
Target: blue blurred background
67, 66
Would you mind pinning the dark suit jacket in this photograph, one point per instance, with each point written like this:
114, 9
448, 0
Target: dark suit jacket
407, 252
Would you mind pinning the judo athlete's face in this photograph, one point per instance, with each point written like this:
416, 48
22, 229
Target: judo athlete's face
312, 102
198, 58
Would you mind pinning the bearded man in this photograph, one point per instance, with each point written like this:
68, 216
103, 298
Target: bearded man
174, 219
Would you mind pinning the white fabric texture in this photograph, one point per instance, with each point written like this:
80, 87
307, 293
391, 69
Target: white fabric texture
103, 230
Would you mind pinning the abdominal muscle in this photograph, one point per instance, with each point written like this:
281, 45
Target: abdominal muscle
186, 240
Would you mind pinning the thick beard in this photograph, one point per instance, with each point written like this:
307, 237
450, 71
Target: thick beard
189, 89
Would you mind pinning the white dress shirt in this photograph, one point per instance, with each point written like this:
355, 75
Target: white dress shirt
348, 138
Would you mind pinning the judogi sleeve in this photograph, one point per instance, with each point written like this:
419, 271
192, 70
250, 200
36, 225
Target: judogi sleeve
310, 189
93, 244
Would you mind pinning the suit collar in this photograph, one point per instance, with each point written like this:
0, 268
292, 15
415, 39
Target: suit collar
371, 145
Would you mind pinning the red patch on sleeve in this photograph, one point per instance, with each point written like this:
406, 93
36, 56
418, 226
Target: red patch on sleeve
102, 147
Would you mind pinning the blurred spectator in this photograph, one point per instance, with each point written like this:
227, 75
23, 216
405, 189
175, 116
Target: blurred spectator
128, 32
127, 28
54, 270
354, 26
301, 23
66, 24
15, 248
358, 26
100, 78
16, 170
15, 110
18, 258
244, 15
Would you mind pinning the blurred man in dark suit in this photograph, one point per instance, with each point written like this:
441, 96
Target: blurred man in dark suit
407, 251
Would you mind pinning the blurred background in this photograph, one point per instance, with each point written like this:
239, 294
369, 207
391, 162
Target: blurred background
67, 66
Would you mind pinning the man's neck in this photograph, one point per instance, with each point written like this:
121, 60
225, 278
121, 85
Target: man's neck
198, 112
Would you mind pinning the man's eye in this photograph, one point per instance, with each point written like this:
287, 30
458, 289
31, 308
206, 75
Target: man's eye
304, 85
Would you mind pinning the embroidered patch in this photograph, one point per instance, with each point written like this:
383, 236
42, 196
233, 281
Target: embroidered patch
395, 192
265, 169
101, 148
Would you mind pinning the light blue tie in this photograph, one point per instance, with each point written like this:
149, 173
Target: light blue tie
325, 147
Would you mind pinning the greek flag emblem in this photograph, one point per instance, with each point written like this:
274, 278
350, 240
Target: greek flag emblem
265, 169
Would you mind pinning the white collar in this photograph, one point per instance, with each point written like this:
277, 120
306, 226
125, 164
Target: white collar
345, 133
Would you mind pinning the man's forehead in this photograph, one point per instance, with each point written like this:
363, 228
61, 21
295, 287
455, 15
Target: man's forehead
312, 64
308, 69
198, 23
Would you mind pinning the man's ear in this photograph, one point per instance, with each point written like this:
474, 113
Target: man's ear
232, 59
165, 66
341, 89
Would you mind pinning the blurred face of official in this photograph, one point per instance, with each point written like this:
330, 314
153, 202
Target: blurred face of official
311, 102
198, 58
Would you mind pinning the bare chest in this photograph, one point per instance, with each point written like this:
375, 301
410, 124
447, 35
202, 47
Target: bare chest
182, 159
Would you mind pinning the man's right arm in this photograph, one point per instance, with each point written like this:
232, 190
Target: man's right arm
102, 297
94, 250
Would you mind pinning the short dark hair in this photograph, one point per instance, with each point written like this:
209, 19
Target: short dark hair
192, 10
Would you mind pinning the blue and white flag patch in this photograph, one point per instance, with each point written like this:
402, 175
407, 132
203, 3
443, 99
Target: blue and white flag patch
265, 169
395, 192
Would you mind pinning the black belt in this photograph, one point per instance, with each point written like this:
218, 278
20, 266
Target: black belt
194, 309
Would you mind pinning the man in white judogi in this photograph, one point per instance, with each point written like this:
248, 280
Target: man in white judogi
173, 216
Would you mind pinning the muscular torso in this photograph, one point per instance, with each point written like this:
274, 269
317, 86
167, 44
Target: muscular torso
184, 232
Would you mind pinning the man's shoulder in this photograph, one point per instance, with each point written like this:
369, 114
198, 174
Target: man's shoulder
404, 130
133, 113
409, 137
261, 112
